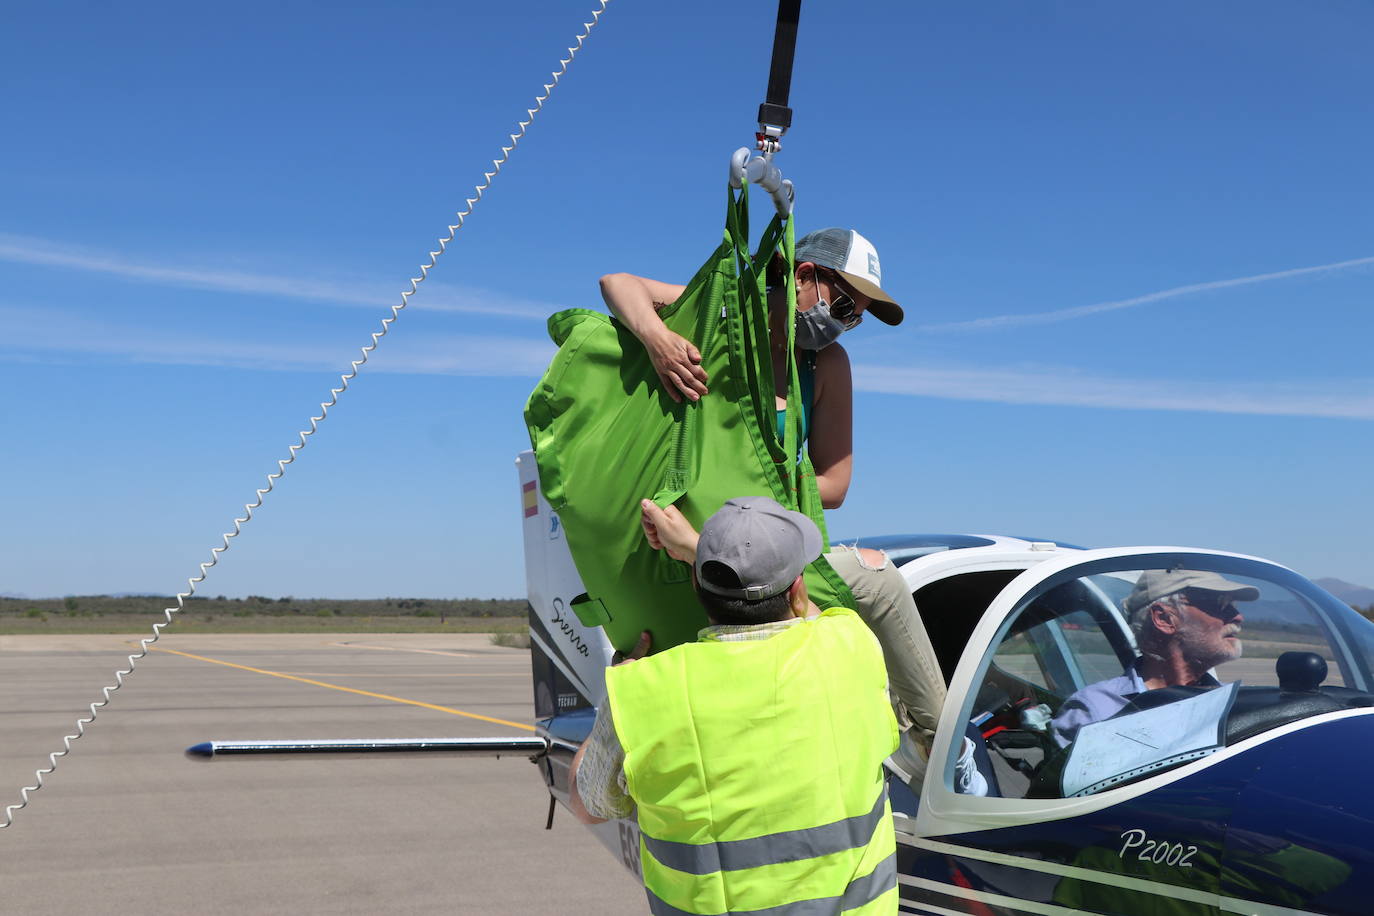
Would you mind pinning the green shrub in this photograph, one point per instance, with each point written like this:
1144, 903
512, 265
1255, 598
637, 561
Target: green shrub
511, 640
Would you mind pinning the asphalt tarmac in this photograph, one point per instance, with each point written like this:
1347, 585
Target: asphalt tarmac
128, 824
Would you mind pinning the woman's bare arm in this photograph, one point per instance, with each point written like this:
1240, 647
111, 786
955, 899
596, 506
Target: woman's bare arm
831, 440
636, 301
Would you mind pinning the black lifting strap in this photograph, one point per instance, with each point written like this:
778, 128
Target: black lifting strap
774, 111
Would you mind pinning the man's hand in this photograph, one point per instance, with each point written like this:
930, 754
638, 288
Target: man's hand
667, 529
678, 364
640, 650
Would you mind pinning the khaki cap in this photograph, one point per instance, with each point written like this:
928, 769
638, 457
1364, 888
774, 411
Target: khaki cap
1155, 584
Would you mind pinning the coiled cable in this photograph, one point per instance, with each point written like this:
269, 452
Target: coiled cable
272, 478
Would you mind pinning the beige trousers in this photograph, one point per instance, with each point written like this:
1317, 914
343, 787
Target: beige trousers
885, 604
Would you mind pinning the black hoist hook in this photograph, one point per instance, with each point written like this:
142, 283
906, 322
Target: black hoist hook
774, 115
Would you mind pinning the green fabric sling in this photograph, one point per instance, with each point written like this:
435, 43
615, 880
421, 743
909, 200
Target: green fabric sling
606, 435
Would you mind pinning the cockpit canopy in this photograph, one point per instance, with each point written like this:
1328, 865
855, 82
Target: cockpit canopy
1112, 670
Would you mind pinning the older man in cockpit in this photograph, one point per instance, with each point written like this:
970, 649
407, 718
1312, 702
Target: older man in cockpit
1185, 622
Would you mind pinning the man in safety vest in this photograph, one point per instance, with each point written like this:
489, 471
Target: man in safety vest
754, 755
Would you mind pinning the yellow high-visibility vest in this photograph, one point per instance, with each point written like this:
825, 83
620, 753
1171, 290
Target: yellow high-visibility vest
756, 768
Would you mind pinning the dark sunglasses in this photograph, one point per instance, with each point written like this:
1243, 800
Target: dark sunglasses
1218, 604
842, 308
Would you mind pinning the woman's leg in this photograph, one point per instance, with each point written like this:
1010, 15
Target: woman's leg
886, 605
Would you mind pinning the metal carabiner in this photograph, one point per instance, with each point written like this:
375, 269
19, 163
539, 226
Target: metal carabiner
768, 140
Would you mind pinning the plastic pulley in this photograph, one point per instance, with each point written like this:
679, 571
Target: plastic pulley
764, 174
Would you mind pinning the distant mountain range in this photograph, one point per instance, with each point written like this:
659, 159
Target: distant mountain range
1357, 595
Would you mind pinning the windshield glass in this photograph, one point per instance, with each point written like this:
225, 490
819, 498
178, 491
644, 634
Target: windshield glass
1117, 669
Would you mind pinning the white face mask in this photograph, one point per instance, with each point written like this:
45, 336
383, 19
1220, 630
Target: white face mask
817, 328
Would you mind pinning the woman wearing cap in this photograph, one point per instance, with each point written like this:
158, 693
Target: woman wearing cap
838, 282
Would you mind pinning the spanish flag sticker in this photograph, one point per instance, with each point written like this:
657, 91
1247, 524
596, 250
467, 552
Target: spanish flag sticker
529, 499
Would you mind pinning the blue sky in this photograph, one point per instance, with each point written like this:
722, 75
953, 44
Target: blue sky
1134, 243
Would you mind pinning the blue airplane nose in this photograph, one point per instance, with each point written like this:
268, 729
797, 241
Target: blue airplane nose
1299, 833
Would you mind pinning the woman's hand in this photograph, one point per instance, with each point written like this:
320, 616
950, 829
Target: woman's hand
636, 301
678, 364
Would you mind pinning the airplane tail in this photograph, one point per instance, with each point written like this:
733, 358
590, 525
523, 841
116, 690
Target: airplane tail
568, 658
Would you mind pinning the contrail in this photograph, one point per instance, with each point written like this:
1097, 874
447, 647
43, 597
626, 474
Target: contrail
1333, 399
442, 299
56, 336
1081, 311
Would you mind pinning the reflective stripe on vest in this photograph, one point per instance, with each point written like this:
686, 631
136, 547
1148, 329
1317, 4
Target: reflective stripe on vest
788, 846
863, 891
756, 768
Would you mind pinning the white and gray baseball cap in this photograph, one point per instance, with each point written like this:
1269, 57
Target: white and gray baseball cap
854, 256
765, 545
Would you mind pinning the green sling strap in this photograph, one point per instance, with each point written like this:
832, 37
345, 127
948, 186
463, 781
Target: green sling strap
606, 435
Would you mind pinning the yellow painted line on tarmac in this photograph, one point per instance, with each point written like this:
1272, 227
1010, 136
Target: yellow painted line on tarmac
355, 645
410, 676
364, 693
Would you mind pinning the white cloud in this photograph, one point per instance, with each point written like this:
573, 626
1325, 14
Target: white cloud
432, 295
58, 334
1068, 388
53, 335
994, 322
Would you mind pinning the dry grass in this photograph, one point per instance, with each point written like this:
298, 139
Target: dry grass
193, 622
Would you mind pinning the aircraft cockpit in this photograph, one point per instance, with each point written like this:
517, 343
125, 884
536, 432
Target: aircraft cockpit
1109, 671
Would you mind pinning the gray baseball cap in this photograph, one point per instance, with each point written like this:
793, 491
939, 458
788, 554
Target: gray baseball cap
765, 545
854, 256
1154, 584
